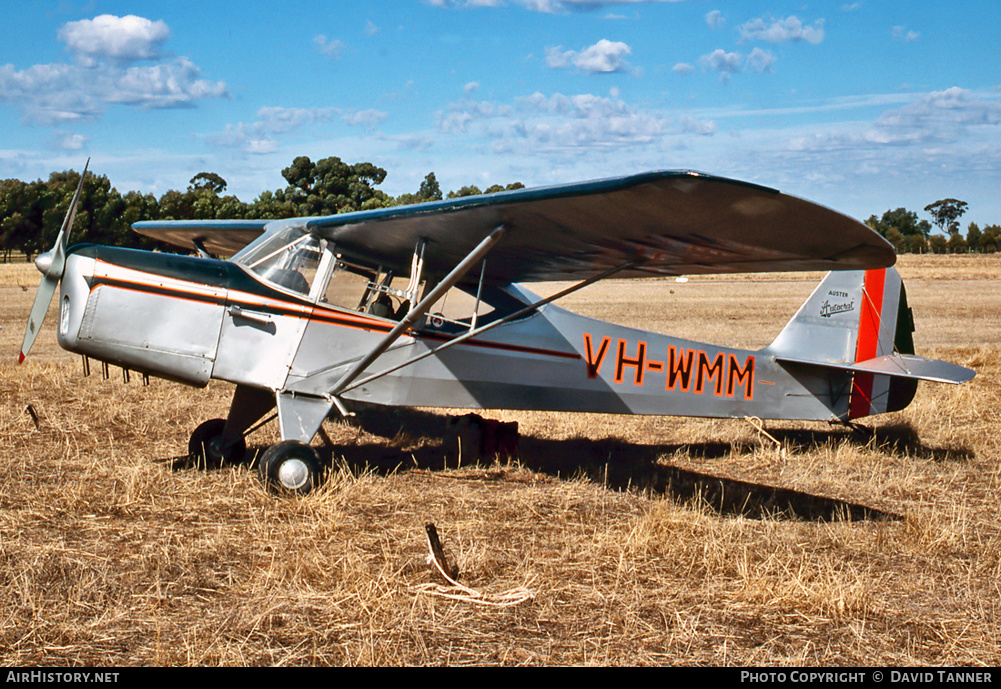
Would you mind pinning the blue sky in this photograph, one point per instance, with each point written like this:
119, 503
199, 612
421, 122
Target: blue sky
860, 105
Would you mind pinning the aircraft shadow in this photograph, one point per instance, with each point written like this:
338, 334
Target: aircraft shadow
622, 465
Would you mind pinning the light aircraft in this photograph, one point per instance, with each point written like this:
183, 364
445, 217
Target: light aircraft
424, 305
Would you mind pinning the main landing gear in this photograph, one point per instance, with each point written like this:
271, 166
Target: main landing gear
290, 467
206, 449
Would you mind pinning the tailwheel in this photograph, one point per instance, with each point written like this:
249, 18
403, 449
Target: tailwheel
205, 449
290, 467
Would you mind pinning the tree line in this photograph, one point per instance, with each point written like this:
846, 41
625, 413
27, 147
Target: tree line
911, 235
31, 213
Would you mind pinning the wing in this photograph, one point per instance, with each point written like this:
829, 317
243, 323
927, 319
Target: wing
669, 223
220, 237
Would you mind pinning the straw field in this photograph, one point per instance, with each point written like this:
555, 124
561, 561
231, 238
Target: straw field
610, 540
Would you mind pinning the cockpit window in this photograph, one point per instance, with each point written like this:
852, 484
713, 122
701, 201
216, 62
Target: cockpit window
288, 258
460, 309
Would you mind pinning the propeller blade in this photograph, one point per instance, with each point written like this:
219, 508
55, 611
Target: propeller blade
46, 288
62, 239
52, 271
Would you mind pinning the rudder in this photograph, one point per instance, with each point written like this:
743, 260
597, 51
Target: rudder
852, 321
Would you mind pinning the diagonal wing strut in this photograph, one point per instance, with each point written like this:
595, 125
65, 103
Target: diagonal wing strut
420, 309
476, 332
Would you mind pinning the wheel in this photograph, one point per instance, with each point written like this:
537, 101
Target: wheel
289, 467
204, 450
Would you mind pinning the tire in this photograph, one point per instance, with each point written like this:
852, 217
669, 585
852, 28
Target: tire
203, 447
290, 467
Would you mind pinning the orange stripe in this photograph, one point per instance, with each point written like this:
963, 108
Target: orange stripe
867, 343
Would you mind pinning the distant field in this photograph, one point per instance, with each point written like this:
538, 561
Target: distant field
643, 540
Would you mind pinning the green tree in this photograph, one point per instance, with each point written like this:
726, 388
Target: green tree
989, 239
271, 205
331, 186
430, 190
208, 180
973, 235
946, 214
938, 244
22, 206
471, 190
916, 244
957, 245
902, 228
898, 240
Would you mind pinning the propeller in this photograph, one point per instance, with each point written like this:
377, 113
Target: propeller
51, 265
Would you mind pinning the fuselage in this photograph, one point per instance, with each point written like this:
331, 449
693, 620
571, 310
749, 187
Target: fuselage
194, 319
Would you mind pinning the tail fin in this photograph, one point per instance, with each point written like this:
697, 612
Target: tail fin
859, 321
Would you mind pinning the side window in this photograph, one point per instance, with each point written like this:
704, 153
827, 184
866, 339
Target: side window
349, 287
454, 311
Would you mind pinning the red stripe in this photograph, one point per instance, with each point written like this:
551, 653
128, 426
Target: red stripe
311, 312
868, 341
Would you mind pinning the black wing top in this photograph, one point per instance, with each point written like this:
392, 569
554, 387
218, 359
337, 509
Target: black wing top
220, 237
667, 223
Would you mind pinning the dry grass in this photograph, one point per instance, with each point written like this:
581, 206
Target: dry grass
108, 556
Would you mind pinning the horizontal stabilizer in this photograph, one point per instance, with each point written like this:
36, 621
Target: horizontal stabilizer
898, 366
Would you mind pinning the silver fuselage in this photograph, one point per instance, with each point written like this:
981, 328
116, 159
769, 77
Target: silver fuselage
194, 319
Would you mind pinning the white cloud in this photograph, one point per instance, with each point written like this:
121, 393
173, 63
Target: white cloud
941, 115
117, 38
365, 118
715, 19
554, 6
466, 3
70, 142
561, 127
723, 62
691, 125
263, 135
726, 64
330, 48
48, 94
107, 49
249, 138
279, 120
904, 34
782, 30
760, 61
166, 85
602, 57
683, 68
546, 6
941, 125
370, 28
471, 87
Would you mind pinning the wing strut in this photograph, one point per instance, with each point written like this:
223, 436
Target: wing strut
479, 331
422, 308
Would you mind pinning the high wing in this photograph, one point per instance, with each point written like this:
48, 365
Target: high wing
666, 223
221, 237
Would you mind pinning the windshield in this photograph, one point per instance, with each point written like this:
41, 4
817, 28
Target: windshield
289, 258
